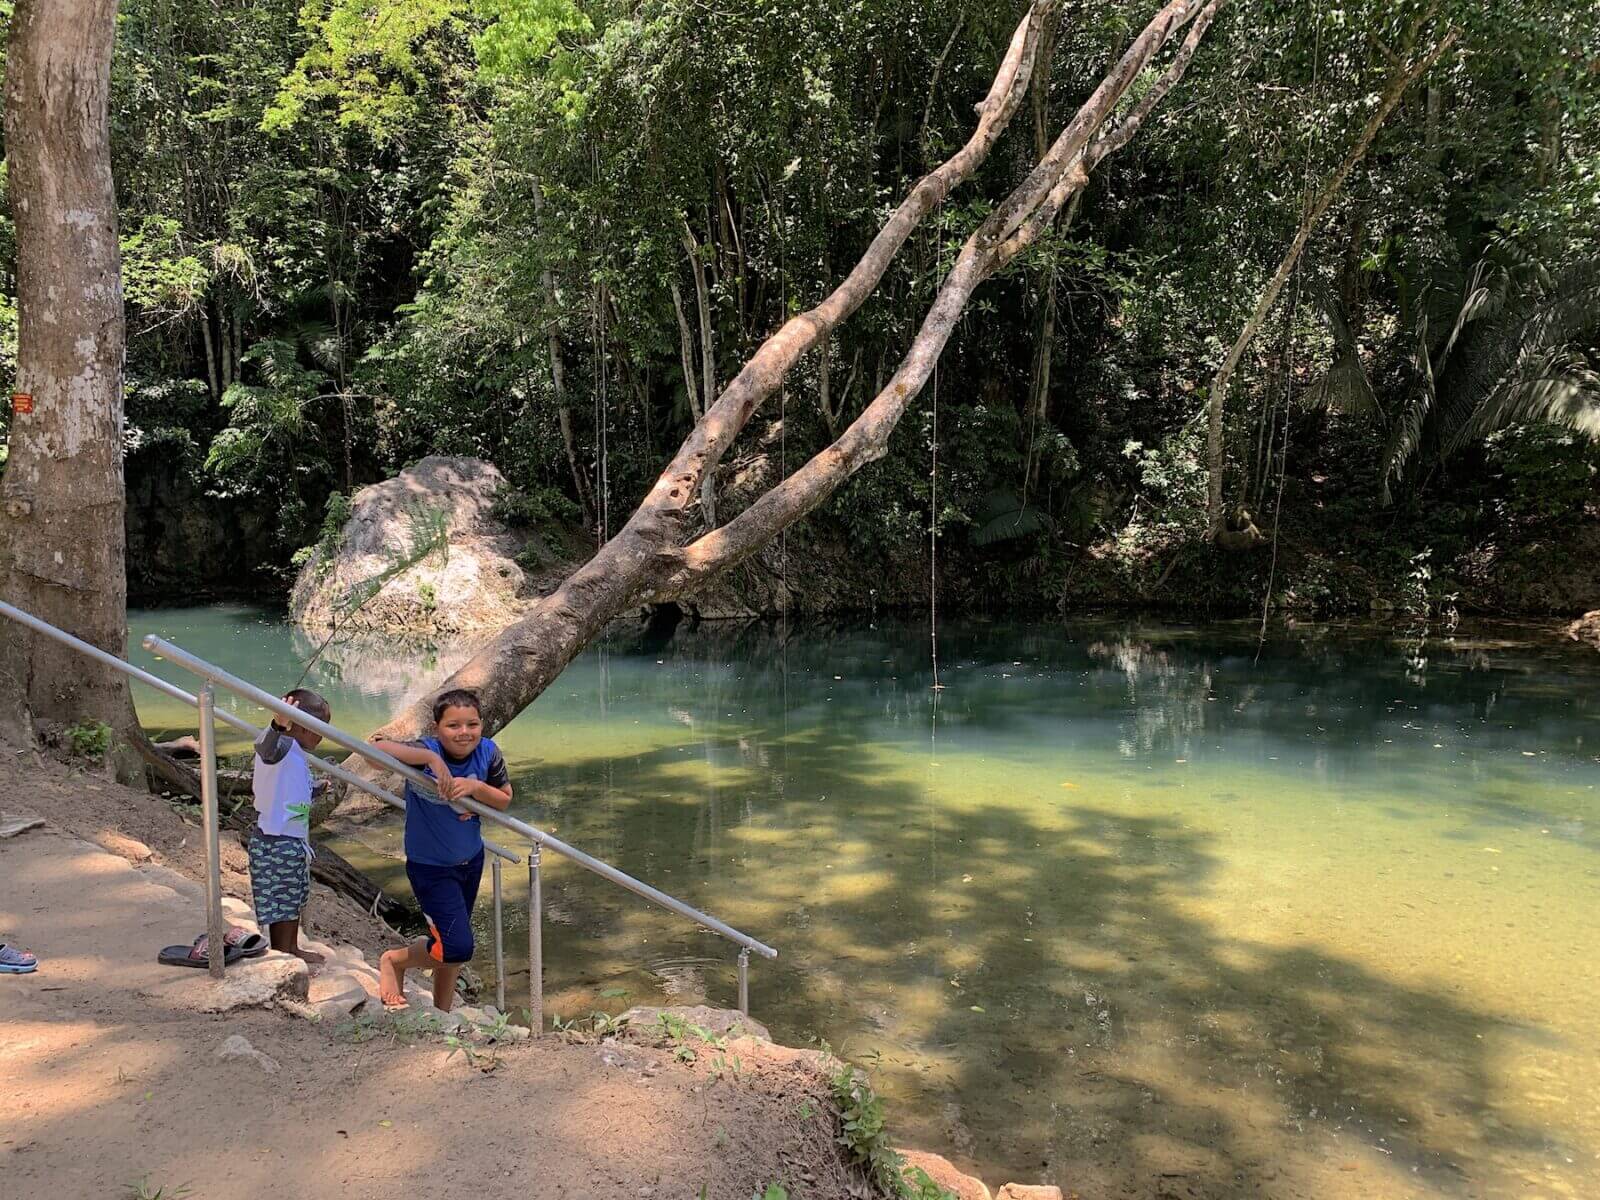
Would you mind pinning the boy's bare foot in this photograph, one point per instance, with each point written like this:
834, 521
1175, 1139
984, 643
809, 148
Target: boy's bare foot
392, 978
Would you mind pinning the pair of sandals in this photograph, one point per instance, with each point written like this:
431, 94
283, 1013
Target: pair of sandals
16, 962
238, 943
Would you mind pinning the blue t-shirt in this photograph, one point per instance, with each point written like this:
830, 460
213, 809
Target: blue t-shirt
435, 833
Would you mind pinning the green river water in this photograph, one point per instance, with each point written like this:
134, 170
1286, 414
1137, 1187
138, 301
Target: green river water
1123, 907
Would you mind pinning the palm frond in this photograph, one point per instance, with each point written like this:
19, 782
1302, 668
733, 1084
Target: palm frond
1406, 431
1344, 387
1520, 350
1001, 516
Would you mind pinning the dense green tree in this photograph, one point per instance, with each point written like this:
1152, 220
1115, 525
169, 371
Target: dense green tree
546, 231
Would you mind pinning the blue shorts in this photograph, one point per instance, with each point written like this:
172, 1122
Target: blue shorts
446, 896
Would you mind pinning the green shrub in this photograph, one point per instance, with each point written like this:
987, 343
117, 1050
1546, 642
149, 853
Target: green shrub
530, 510
863, 1135
1549, 472
326, 546
90, 739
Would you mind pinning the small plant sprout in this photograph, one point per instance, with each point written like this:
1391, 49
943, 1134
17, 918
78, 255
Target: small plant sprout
142, 1189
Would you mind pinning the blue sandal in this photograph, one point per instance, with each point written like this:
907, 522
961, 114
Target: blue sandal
16, 962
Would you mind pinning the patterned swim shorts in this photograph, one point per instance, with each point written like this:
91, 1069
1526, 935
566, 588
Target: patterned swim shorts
280, 877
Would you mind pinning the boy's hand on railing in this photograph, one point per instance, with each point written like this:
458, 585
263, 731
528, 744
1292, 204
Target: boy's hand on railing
465, 789
449, 787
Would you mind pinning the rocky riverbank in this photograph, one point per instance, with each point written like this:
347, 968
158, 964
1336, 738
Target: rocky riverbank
499, 562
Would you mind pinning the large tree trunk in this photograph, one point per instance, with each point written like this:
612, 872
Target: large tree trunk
646, 559
1401, 79
61, 541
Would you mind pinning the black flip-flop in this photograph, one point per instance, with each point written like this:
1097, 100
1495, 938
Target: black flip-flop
195, 955
251, 945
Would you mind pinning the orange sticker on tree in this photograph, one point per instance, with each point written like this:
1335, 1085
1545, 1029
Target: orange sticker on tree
21, 403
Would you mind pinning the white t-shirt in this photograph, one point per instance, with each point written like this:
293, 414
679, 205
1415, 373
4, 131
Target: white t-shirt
281, 783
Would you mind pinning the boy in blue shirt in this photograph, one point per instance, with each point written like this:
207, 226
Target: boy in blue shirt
280, 844
444, 845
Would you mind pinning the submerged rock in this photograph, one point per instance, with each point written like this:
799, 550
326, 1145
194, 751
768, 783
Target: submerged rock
478, 585
720, 1022
1586, 629
947, 1175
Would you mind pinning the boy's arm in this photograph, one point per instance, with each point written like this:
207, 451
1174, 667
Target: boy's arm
420, 756
272, 745
495, 789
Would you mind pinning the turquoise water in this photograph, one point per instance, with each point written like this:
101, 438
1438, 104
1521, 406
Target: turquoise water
1123, 907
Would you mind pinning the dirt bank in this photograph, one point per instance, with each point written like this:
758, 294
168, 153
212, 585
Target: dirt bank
144, 828
117, 1075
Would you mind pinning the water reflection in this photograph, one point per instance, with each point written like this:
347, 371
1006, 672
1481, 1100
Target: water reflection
1126, 907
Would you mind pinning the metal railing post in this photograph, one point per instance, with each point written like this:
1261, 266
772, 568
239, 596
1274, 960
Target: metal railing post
535, 944
216, 935
744, 980
499, 939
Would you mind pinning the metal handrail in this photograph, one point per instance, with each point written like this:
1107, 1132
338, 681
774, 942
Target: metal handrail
172, 690
371, 753
539, 840
209, 714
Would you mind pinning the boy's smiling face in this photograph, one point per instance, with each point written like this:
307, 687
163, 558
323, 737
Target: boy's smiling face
460, 729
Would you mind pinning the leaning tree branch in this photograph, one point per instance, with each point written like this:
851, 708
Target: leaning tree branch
647, 558
511, 672
995, 244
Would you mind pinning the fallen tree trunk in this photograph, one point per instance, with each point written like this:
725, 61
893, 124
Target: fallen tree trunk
646, 559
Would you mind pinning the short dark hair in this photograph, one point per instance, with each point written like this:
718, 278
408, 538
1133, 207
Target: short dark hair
456, 698
311, 702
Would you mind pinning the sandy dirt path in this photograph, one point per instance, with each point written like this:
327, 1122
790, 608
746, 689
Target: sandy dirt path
112, 1077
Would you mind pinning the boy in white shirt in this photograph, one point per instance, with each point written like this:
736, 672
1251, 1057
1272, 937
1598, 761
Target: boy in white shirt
280, 845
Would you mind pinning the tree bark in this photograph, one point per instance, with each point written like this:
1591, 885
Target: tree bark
1433, 106
558, 375
830, 419
646, 558
708, 358
212, 379
1401, 78
691, 379
61, 542
225, 337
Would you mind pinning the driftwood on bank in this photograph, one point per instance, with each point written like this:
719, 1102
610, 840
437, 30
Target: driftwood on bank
648, 560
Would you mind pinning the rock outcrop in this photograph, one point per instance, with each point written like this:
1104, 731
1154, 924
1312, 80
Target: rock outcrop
477, 585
